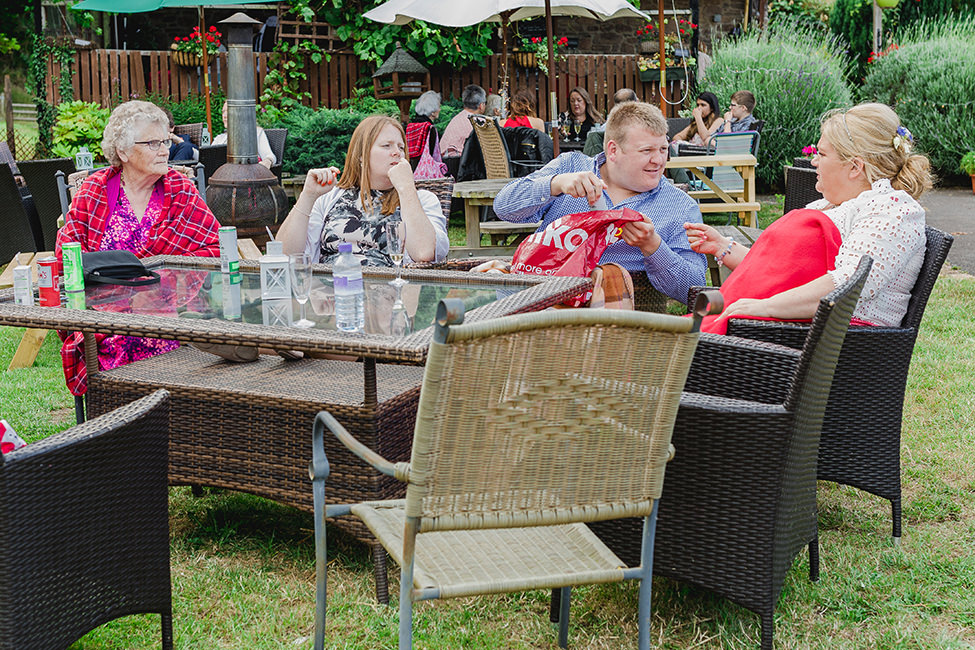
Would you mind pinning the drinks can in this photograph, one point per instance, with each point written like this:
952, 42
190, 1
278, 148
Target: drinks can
74, 274
48, 281
75, 300
23, 287
229, 257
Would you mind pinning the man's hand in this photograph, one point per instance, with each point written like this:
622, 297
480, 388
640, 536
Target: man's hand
642, 235
581, 185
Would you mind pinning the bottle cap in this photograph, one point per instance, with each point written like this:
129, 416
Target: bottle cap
345, 247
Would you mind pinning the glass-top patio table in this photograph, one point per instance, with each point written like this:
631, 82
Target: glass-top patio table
247, 426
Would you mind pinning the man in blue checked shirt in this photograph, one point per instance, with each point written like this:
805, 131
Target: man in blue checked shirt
629, 173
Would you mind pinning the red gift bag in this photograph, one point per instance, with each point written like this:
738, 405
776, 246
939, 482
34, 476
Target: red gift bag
572, 245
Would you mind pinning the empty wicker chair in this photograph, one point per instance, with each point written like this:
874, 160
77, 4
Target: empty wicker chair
212, 156
40, 179
861, 440
84, 528
739, 499
18, 220
512, 451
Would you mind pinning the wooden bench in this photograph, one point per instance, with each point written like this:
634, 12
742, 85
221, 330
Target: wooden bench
501, 231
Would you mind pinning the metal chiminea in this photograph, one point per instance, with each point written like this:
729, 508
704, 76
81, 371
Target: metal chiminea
407, 80
244, 193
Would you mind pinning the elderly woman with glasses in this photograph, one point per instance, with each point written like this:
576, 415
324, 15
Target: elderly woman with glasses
870, 179
137, 204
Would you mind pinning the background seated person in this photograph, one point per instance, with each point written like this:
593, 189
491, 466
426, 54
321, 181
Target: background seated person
494, 107
180, 148
136, 204
522, 112
377, 181
870, 180
581, 113
421, 134
629, 173
705, 122
739, 116
264, 151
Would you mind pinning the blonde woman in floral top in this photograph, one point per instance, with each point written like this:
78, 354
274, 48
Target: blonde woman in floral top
355, 206
870, 180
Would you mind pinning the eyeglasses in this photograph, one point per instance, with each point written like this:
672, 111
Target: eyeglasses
152, 144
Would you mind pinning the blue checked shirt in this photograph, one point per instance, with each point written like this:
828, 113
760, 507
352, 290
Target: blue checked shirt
672, 269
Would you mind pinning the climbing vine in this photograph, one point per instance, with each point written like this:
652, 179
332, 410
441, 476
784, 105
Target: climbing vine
43, 49
286, 71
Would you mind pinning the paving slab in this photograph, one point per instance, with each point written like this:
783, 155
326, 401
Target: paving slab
952, 209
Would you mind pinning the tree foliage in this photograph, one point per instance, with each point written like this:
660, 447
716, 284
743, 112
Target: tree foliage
371, 41
852, 20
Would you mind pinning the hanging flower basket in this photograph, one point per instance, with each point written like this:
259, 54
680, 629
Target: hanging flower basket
653, 74
525, 59
187, 59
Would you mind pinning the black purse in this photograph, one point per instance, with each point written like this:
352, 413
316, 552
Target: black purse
116, 267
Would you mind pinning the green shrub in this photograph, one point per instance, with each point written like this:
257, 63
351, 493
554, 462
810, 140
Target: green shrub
930, 81
967, 164
795, 74
852, 20
319, 139
192, 109
79, 124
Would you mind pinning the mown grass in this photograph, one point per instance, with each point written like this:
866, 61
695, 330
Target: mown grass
243, 567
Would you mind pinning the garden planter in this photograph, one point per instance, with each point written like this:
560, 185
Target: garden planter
648, 47
525, 59
886, 4
673, 74
973, 183
802, 162
187, 59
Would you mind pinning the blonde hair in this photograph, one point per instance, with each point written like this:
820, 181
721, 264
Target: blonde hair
356, 171
123, 125
867, 132
628, 115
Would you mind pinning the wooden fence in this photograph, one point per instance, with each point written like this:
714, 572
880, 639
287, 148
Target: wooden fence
111, 76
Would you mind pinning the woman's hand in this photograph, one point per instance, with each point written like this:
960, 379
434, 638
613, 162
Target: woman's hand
320, 181
698, 112
401, 176
747, 307
705, 239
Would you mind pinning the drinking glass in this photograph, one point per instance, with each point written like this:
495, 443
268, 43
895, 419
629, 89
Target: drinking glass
301, 284
399, 320
577, 127
564, 128
395, 245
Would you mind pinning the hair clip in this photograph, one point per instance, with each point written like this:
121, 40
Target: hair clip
903, 140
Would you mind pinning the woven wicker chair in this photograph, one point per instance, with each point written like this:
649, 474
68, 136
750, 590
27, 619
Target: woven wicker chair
39, 176
18, 219
861, 438
800, 188
510, 454
84, 528
277, 138
739, 500
212, 156
443, 188
193, 130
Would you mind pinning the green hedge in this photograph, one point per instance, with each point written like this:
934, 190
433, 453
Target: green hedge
795, 73
930, 81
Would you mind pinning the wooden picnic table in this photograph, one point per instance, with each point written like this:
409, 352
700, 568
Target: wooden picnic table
744, 201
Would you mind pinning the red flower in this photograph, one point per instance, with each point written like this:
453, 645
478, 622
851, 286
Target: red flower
213, 28
563, 41
210, 37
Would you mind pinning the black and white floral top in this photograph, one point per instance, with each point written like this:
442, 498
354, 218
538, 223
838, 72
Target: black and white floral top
339, 217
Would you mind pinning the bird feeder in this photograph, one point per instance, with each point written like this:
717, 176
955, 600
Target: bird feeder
402, 79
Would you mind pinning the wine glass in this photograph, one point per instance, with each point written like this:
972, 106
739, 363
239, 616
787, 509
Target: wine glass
395, 245
301, 284
564, 129
577, 127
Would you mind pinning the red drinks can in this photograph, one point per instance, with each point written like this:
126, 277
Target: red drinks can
47, 282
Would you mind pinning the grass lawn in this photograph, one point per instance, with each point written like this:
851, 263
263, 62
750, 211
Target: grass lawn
243, 567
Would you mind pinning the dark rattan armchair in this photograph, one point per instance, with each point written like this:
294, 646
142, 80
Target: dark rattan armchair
277, 138
514, 449
212, 156
861, 438
18, 220
40, 179
739, 499
84, 528
800, 188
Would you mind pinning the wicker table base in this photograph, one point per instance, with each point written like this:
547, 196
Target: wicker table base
247, 426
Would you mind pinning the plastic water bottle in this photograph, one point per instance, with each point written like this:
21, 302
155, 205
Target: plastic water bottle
350, 297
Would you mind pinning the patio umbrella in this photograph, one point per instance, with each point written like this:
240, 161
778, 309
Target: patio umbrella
141, 6
463, 13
